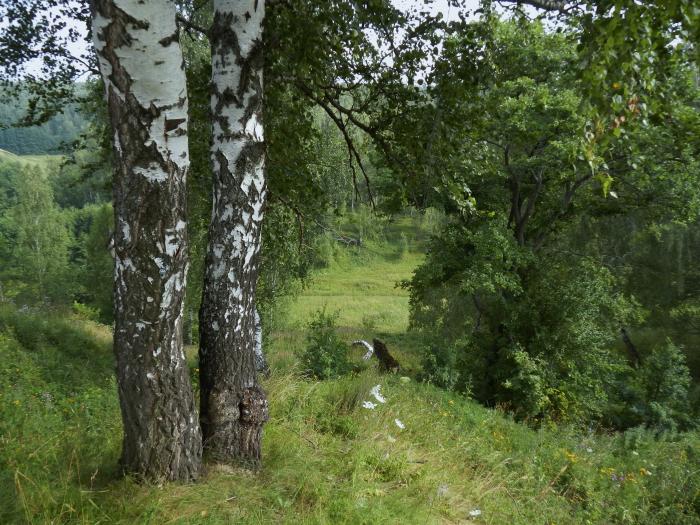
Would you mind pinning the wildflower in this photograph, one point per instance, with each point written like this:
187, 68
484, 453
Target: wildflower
571, 456
377, 395
620, 478
369, 405
644, 472
451, 402
399, 424
474, 513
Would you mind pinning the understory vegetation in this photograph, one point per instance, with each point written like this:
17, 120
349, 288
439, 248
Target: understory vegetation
328, 459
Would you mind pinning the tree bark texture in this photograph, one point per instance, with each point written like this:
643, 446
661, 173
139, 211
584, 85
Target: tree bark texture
233, 407
142, 67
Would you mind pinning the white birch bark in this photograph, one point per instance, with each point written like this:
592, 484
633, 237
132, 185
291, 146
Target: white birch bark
141, 64
233, 407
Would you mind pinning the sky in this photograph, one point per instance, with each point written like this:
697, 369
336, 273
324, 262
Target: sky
437, 6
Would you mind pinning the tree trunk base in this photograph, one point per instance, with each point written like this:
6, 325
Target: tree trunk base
233, 432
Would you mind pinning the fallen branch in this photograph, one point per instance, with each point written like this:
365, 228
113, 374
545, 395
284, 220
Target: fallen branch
379, 349
369, 347
349, 241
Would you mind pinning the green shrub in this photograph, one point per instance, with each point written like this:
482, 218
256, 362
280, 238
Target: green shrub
657, 394
404, 246
432, 221
441, 369
85, 312
665, 379
535, 338
366, 224
324, 251
325, 355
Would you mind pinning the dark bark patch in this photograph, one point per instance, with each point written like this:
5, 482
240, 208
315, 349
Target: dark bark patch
174, 124
165, 42
253, 406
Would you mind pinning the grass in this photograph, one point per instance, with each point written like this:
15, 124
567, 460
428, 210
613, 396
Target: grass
42, 160
326, 458
363, 294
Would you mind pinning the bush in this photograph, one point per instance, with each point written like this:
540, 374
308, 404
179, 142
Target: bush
535, 338
657, 395
85, 312
404, 246
325, 355
324, 251
440, 368
366, 224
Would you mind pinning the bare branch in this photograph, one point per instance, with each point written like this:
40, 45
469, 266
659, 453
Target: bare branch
546, 5
191, 26
297, 212
326, 104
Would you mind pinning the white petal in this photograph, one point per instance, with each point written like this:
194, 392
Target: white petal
377, 395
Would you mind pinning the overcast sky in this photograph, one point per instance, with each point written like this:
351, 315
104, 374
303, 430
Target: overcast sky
438, 6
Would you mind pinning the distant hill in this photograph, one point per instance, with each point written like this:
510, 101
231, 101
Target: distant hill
44, 160
37, 140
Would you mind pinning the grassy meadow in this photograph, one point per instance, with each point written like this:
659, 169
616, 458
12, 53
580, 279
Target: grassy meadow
40, 160
327, 459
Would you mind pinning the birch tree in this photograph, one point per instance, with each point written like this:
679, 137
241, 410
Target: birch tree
141, 63
233, 407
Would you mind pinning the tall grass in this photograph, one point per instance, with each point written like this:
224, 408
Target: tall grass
327, 458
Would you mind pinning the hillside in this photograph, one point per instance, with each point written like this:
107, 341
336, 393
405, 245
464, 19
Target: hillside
327, 459
43, 160
48, 138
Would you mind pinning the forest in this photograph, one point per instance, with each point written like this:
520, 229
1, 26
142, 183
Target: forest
342, 261
54, 136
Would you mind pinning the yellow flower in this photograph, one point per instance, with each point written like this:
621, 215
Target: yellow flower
644, 472
571, 456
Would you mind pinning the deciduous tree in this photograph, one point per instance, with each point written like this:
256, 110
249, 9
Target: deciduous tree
142, 67
233, 407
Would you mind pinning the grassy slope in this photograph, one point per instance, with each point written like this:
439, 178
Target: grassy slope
327, 459
42, 160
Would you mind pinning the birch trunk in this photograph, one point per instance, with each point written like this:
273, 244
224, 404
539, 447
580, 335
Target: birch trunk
142, 67
233, 407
